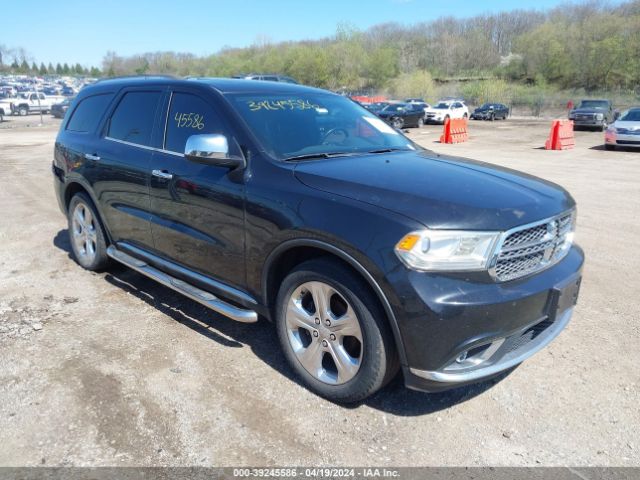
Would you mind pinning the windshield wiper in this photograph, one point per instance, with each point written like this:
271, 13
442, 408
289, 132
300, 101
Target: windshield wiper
389, 150
310, 156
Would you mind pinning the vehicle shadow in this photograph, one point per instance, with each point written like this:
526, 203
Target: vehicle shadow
262, 339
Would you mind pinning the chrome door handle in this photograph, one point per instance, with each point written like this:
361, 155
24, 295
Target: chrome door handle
162, 174
90, 156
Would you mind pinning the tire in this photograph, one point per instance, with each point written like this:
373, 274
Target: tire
604, 126
86, 234
609, 147
420, 122
23, 111
365, 349
397, 123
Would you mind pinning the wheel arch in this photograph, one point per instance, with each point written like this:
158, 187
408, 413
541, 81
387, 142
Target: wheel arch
76, 186
293, 252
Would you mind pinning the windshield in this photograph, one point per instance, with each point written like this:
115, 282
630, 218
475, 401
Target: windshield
486, 106
630, 116
442, 106
594, 104
292, 125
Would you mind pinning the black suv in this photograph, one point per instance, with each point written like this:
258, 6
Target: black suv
369, 253
593, 114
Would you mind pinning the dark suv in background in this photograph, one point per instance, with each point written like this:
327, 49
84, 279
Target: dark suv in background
593, 114
368, 252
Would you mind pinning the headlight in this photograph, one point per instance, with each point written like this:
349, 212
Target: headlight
599, 116
447, 250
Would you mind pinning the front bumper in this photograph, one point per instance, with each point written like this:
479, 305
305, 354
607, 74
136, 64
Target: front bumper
587, 122
460, 329
623, 140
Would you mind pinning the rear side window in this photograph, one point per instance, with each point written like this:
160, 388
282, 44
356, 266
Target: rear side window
87, 114
189, 115
132, 120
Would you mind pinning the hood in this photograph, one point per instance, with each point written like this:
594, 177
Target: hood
631, 125
437, 191
483, 109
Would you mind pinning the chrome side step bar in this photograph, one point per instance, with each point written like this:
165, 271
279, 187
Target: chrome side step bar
194, 293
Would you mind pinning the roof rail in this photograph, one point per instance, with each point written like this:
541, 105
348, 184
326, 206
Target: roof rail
149, 77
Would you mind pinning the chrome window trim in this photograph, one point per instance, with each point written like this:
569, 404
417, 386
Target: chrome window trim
498, 249
145, 147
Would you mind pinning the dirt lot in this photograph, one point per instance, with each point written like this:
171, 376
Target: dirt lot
112, 369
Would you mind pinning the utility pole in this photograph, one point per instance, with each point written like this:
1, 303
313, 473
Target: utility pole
39, 104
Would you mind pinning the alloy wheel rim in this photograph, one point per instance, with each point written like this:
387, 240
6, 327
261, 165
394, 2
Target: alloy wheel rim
324, 333
83, 230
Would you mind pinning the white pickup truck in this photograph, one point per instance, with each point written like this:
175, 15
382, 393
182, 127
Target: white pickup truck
30, 102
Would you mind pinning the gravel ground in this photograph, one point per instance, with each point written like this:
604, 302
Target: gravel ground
112, 369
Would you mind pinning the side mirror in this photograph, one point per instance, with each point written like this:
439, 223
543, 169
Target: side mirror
211, 149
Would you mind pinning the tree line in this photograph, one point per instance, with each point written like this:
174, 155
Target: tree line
590, 45
17, 61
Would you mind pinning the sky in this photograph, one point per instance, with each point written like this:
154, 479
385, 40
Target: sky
82, 31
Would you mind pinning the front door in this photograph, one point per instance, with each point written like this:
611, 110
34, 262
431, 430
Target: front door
197, 210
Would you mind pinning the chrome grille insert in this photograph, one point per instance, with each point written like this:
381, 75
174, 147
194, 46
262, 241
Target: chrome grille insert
531, 248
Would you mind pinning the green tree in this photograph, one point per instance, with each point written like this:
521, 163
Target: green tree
58, 69
43, 69
65, 69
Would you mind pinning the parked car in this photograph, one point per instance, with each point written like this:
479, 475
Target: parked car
270, 77
376, 107
5, 107
414, 100
58, 110
446, 109
625, 131
490, 111
403, 115
369, 253
593, 114
68, 91
32, 102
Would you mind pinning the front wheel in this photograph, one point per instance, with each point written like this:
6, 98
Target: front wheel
23, 111
397, 123
332, 333
420, 122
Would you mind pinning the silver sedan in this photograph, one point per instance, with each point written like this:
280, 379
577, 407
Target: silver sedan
625, 131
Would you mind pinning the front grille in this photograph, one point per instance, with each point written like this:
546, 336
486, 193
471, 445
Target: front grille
530, 249
585, 116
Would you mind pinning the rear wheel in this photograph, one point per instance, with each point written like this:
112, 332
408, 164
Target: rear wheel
332, 333
86, 234
420, 122
23, 111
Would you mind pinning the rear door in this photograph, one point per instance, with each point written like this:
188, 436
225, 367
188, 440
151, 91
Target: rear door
122, 161
197, 209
